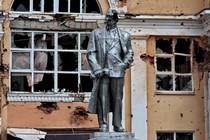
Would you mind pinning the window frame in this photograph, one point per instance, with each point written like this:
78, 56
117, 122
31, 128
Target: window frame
172, 72
52, 96
174, 133
55, 8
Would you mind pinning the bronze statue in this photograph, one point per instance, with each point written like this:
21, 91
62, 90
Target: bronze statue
109, 54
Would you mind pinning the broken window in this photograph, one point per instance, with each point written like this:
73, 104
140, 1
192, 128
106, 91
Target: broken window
56, 6
49, 62
175, 136
174, 64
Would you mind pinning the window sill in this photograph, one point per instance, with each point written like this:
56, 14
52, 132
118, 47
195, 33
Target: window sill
46, 97
175, 93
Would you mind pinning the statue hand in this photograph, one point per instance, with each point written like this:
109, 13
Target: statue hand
99, 73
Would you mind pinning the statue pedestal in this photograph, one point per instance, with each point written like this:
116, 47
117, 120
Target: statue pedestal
112, 135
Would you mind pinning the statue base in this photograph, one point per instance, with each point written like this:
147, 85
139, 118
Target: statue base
112, 135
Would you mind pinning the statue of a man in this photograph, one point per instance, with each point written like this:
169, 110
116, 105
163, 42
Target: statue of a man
109, 54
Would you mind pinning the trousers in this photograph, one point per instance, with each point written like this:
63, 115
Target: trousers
110, 99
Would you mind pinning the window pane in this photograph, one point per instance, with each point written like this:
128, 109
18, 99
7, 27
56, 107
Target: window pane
86, 83
184, 136
20, 82
40, 60
20, 60
68, 82
91, 6
84, 63
43, 82
63, 6
163, 64
67, 41
44, 41
68, 61
183, 46
164, 46
182, 64
164, 82
37, 5
20, 40
21, 5
48, 5
183, 83
84, 38
75, 6
165, 136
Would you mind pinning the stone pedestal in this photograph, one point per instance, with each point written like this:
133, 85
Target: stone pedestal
112, 136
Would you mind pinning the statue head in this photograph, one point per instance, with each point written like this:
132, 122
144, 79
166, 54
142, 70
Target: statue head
111, 19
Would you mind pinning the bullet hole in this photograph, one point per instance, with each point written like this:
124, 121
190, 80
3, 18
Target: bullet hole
48, 107
181, 115
41, 118
137, 3
69, 107
131, 115
79, 114
182, 23
158, 101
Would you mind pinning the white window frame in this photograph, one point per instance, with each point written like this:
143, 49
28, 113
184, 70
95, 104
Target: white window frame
172, 72
174, 133
49, 96
55, 8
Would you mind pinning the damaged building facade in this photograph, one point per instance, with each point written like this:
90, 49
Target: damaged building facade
45, 77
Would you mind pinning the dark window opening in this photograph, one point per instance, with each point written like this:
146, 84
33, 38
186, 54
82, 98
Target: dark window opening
164, 82
183, 83
163, 64
63, 6
91, 7
75, 6
37, 5
164, 46
47, 83
183, 46
19, 82
68, 82
182, 64
199, 53
21, 40
86, 83
165, 136
48, 6
184, 136
21, 5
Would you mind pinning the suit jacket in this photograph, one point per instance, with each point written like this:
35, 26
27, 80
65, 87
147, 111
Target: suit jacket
114, 54
103, 52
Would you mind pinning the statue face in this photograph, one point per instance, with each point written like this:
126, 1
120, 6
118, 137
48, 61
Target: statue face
111, 19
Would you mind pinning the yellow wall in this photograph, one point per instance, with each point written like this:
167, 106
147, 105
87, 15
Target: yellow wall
165, 6
174, 112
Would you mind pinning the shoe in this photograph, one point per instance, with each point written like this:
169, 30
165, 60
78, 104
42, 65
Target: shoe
103, 128
119, 129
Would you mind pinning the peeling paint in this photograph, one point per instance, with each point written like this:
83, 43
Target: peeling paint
48, 107
148, 58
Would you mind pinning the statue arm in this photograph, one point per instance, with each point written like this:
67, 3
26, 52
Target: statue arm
128, 57
92, 52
